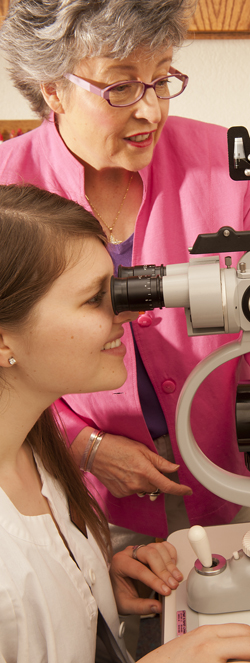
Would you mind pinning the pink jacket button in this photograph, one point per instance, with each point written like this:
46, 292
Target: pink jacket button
144, 320
168, 386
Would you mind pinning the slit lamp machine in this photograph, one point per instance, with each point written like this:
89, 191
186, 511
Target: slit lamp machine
216, 301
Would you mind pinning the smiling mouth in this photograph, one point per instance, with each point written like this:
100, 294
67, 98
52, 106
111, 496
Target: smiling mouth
112, 344
139, 138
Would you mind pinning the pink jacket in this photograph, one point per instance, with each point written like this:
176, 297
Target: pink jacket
187, 191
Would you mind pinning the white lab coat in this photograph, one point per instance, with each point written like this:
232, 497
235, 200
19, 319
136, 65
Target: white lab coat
49, 606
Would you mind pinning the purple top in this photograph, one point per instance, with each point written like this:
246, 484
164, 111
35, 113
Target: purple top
121, 254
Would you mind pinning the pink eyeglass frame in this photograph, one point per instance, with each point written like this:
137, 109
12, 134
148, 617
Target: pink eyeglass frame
104, 93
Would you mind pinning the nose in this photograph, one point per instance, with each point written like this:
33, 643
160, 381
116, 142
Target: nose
149, 107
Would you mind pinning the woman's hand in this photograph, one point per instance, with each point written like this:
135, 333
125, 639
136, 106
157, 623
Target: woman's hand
155, 567
125, 466
207, 644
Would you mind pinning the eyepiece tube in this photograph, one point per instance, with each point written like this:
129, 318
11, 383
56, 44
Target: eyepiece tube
136, 293
142, 270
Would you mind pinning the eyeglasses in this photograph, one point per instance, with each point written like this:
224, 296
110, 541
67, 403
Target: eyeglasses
127, 93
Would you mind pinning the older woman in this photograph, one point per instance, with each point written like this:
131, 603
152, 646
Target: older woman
101, 75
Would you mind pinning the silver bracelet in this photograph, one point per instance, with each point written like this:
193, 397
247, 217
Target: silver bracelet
95, 437
93, 451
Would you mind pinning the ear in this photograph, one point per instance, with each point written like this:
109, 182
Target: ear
5, 352
52, 96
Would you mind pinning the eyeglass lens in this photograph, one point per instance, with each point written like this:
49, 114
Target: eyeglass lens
129, 93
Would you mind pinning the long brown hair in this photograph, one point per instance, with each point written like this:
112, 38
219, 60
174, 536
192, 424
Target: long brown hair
35, 227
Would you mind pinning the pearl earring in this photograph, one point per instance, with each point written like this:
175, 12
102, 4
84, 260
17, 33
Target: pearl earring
12, 361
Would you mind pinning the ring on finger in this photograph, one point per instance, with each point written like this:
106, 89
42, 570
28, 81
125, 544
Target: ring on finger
153, 496
135, 548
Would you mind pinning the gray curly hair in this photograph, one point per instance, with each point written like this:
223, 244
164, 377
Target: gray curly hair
44, 39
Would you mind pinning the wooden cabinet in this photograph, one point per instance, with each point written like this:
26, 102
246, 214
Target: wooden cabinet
4, 4
221, 19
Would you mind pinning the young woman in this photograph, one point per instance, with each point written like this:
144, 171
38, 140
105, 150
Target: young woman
56, 327
102, 76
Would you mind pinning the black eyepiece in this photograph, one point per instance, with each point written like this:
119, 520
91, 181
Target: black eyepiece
142, 270
136, 293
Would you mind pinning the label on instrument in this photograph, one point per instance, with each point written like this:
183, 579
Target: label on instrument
181, 622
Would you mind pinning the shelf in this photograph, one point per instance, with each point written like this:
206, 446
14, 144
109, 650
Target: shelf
6, 126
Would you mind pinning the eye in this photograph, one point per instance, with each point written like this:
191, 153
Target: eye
163, 83
97, 299
123, 93
123, 87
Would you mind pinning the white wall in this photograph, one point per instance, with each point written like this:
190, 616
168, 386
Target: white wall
218, 89
13, 106
219, 86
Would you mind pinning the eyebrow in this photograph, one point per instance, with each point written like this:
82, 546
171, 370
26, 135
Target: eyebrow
96, 284
169, 59
131, 67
